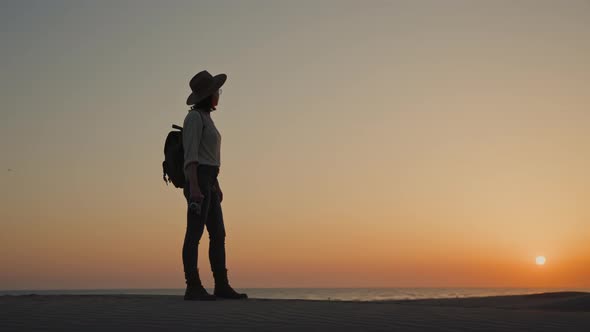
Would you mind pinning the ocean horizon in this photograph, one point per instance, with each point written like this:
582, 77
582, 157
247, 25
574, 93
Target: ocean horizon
331, 294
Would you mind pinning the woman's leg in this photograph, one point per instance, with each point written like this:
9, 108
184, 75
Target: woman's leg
195, 225
216, 229
194, 230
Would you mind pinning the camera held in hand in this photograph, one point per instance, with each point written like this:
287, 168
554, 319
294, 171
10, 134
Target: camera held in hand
195, 207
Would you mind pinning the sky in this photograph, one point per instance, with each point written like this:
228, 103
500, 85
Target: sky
365, 143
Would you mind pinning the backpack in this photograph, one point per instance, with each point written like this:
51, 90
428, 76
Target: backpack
173, 164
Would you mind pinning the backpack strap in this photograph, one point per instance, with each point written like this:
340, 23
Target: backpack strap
164, 170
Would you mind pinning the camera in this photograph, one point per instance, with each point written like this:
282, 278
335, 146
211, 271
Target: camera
195, 207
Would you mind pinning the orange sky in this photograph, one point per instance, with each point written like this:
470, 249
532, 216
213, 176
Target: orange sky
383, 144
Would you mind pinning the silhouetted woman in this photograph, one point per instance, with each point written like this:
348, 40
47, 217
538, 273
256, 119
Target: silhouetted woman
201, 142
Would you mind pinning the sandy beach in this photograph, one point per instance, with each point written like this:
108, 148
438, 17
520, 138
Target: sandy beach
539, 312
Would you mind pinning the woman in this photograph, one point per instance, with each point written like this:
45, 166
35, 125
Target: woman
201, 142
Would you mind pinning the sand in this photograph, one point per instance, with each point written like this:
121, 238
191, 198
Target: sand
542, 312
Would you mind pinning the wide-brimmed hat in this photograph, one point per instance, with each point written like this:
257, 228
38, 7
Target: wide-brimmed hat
203, 85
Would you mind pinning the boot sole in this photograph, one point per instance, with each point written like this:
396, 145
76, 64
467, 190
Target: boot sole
200, 299
231, 298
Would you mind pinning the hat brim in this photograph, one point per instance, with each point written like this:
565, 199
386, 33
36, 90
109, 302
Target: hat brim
217, 82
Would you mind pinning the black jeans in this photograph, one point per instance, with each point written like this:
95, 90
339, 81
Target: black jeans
210, 216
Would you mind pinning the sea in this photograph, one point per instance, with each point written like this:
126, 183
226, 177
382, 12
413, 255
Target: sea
330, 294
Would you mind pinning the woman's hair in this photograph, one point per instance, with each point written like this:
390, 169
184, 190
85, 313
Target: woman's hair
205, 104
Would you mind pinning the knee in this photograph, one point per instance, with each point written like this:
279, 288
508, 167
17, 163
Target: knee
192, 238
194, 234
218, 236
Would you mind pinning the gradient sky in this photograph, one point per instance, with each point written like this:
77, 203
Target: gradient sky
365, 143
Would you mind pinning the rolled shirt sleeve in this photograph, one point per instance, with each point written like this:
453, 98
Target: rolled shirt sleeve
191, 137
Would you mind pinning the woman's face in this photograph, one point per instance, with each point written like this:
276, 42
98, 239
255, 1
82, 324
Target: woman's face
215, 98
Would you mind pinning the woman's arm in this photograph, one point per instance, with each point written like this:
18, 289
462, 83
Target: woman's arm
193, 180
191, 139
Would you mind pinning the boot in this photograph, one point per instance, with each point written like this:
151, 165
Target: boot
195, 290
222, 287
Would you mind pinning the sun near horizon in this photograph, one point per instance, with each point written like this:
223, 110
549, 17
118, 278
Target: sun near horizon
540, 260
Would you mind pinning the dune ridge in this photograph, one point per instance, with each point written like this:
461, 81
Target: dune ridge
558, 301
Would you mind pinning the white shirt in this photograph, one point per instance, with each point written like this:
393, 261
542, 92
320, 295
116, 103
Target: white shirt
200, 139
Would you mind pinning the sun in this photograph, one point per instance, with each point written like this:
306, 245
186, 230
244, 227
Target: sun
540, 260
